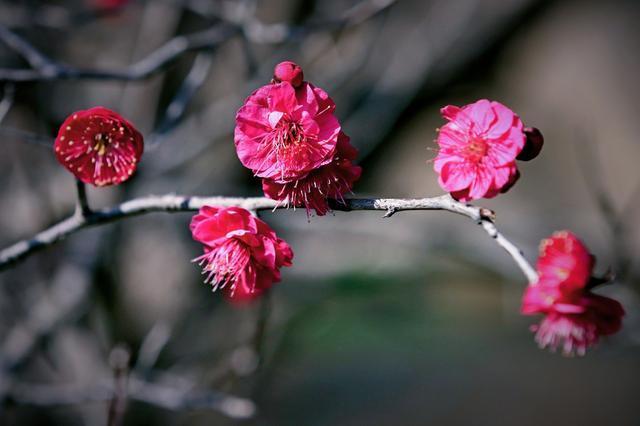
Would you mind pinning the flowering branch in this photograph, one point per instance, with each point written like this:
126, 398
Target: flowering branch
179, 203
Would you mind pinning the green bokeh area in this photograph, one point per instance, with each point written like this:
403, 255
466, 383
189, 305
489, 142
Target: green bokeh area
433, 347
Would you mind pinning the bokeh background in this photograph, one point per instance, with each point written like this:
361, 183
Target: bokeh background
409, 320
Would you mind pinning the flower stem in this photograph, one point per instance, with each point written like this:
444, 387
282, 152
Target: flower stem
82, 204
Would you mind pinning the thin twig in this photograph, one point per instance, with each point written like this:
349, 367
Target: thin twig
614, 218
261, 328
119, 360
82, 204
33, 56
151, 347
178, 106
178, 203
7, 100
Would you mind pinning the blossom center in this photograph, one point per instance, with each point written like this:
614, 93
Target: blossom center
101, 142
288, 144
288, 134
225, 264
476, 149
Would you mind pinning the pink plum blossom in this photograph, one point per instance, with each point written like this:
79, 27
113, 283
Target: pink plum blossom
242, 254
282, 133
477, 150
574, 317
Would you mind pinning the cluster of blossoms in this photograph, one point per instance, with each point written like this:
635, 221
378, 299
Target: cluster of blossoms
287, 134
575, 317
478, 149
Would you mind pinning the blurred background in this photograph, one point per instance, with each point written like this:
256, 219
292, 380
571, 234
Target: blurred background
409, 320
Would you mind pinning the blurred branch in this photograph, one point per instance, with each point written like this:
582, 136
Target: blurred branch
261, 328
7, 100
592, 172
29, 53
47, 69
178, 106
177, 203
260, 33
174, 398
153, 63
119, 360
57, 17
65, 299
153, 343
26, 136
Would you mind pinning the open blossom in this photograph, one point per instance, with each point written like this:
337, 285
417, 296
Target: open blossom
99, 146
576, 326
282, 133
242, 254
477, 150
575, 317
331, 181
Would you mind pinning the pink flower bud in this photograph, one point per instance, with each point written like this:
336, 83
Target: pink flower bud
533, 145
99, 146
288, 71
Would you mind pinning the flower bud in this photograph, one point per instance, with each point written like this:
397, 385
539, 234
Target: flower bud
288, 71
533, 145
99, 146
512, 181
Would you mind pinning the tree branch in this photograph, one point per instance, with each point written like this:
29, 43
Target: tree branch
179, 203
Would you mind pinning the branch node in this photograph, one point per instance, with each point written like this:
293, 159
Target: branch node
487, 214
390, 212
608, 277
